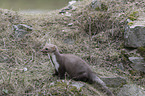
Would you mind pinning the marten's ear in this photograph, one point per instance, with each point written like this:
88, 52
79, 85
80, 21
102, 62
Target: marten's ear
53, 48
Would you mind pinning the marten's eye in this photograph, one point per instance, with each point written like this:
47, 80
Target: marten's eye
46, 48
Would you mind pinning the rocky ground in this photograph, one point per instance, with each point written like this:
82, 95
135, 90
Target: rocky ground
108, 35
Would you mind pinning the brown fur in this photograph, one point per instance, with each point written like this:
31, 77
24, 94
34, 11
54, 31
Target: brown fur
77, 68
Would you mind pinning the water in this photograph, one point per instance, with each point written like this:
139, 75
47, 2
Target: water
35, 6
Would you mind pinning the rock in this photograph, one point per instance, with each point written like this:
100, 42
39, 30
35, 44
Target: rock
114, 81
138, 63
21, 30
131, 90
134, 36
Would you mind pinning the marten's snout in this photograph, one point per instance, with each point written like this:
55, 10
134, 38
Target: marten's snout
48, 49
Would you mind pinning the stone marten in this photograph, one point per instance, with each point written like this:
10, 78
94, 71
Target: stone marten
77, 68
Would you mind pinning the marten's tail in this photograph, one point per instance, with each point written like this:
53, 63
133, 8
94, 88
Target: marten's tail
99, 84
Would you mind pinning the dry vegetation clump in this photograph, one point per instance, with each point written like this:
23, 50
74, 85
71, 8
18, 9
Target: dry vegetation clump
114, 18
96, 36
105, 28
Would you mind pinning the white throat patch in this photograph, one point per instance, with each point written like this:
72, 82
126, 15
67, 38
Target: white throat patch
54, 61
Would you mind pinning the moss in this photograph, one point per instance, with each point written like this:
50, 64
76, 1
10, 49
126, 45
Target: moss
134, 15
141, 50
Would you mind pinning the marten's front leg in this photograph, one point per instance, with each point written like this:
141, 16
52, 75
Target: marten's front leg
56, 73
61, 72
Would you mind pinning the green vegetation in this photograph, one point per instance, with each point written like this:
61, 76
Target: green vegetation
96, 36
141, 50
134, 15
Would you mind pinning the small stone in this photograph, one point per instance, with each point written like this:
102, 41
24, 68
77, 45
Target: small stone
25, 69
70, 24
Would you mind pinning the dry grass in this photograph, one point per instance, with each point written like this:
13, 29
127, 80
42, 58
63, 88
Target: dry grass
101, 51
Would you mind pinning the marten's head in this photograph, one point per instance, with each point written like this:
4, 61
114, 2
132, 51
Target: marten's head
49, 48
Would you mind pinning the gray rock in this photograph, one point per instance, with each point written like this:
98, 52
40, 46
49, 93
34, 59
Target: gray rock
134, 36
21, 30
138, 63
131, 90
114, 81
